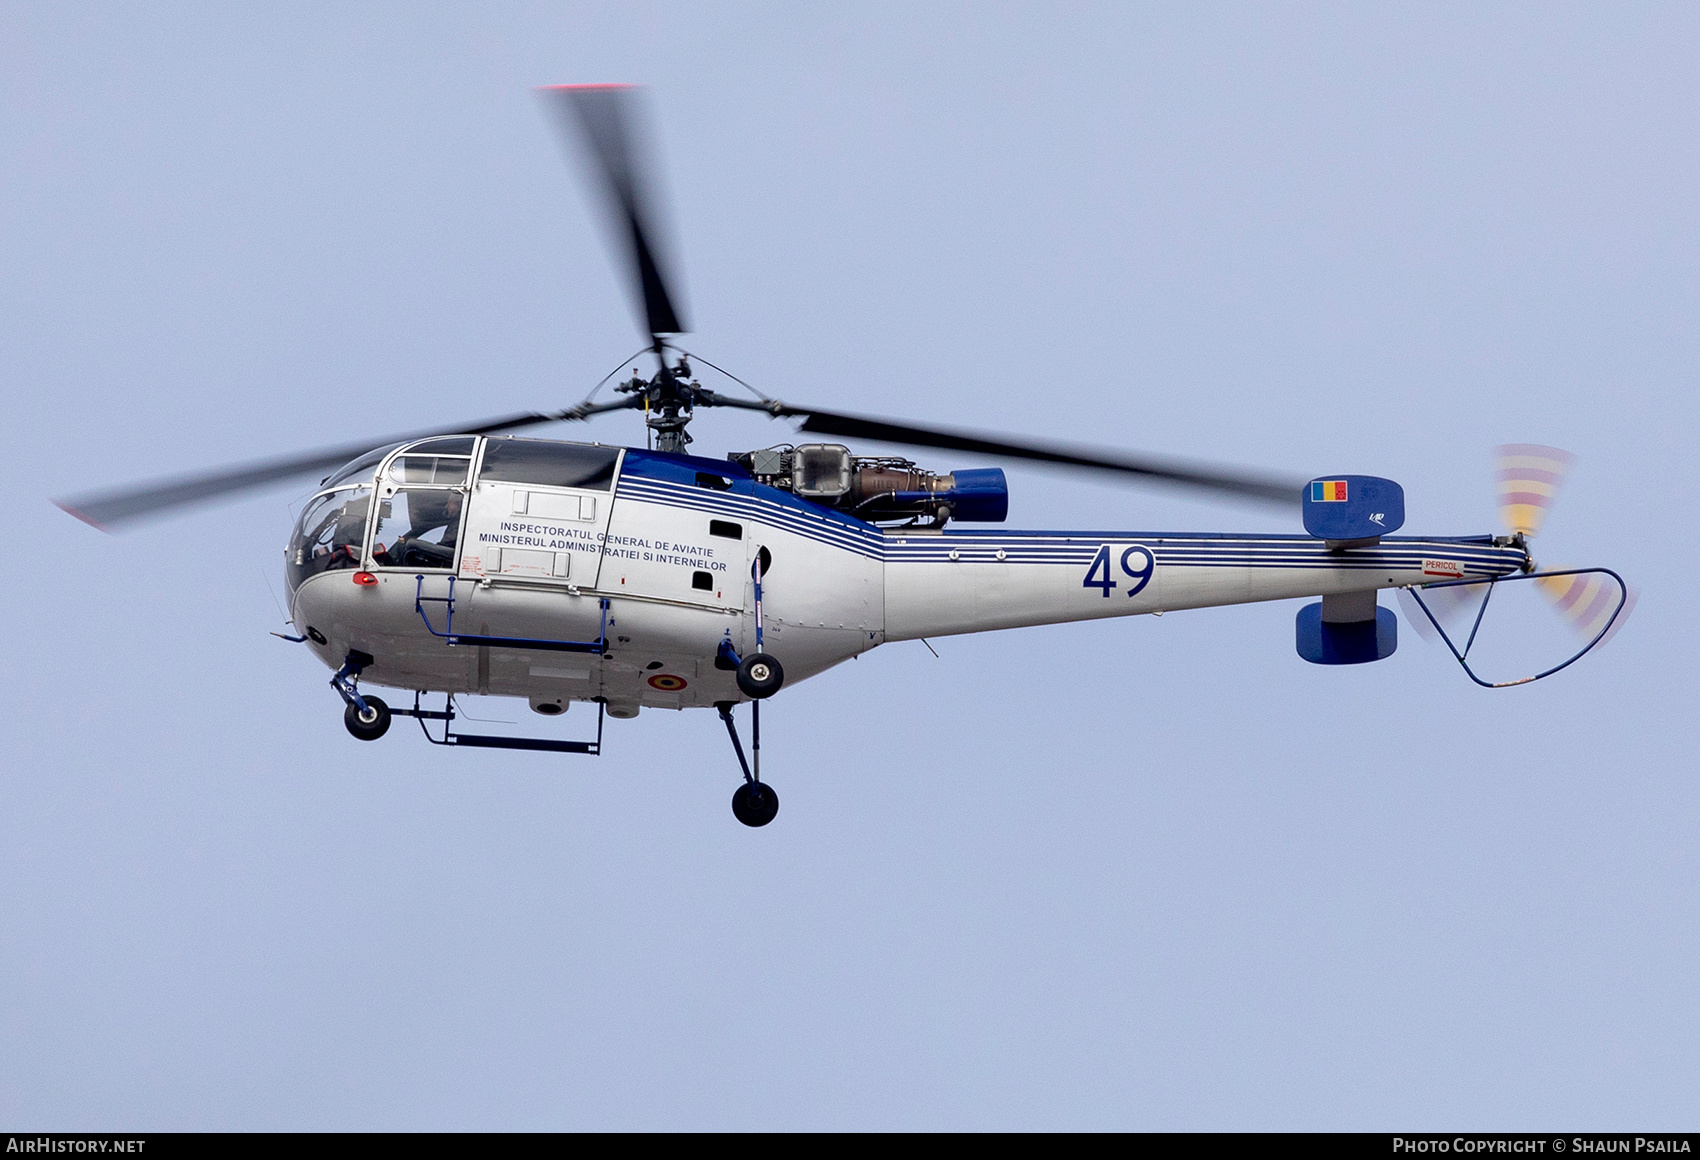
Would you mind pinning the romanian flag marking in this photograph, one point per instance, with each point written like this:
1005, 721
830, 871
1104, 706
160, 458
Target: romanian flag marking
1328, 491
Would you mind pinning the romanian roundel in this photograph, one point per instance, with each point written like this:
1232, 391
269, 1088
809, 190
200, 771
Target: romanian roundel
666, 682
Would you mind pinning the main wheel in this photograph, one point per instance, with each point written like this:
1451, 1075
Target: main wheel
370, 725
760, 675
755, 803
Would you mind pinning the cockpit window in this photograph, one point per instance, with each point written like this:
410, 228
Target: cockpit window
417, 528
549, 464
448, 470
448, 445
330, 534
365, 465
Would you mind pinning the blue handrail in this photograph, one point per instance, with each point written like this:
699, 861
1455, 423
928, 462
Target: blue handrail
450, 636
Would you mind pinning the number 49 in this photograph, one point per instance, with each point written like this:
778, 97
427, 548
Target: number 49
1136, 562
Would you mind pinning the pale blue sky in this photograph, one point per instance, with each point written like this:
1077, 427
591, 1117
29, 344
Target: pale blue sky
1145, 874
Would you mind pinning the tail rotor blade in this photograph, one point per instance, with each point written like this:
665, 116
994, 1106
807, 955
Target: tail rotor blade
1586, 601
1453, 606
1629, 599
1529, 476
1415, 617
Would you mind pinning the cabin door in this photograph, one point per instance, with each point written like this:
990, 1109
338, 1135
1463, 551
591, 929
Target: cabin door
539, 511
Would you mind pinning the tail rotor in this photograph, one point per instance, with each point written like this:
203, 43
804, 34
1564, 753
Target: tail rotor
1594, 603
1529, 477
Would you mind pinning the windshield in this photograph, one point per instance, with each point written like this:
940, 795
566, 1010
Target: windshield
329, 535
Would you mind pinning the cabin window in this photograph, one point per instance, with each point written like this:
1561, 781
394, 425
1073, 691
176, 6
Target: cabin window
439, 469
330, 534
550, 464
726, 528
703, 581
417, 528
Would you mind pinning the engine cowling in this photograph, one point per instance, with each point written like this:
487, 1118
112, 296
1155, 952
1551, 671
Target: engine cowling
880, 490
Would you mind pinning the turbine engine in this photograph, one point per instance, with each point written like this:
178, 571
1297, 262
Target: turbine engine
879, 489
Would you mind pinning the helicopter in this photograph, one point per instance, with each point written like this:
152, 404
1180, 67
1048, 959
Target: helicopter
473, 560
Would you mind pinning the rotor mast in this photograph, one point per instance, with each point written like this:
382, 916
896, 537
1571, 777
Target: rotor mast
669, 400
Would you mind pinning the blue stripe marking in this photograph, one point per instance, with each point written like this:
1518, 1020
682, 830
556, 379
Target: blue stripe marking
664, 465
748, 500
671, 480
818, 523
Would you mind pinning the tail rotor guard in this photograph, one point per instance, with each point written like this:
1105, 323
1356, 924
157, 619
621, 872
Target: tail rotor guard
1591, 583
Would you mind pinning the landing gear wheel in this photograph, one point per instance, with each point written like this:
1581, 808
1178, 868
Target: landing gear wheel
760, 675
755, 803
370, 725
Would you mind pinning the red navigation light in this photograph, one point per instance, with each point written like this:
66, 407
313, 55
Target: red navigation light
365, 578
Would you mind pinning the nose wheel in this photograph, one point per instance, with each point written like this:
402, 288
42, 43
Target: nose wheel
366, 718
371, 724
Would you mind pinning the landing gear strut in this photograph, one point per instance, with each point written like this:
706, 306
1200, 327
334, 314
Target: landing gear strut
755, 803
367, 718
759, 676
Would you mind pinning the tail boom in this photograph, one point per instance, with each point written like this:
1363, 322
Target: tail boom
940, 584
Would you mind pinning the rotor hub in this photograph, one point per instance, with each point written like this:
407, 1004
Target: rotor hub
669, 402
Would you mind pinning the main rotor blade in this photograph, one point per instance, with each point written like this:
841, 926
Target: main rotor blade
111, 510
1236, 482
607, 118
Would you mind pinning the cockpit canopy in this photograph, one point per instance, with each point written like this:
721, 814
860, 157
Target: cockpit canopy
359, 470
411, 497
